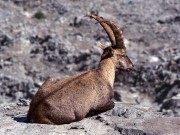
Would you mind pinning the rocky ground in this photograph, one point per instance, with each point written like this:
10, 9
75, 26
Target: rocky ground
41, 38
124, 119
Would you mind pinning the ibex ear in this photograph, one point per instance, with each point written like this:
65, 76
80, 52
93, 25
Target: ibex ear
102, 46
111, 51
108, 52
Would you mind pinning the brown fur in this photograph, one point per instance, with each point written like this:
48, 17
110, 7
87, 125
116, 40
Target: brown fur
85, 94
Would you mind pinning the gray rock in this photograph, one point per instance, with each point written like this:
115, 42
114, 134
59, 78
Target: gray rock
65, 42
125, 119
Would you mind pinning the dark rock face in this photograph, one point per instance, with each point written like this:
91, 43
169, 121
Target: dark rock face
160, 81
125, 119
5, 41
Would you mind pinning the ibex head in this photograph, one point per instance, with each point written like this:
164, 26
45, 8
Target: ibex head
117, 50
119, 58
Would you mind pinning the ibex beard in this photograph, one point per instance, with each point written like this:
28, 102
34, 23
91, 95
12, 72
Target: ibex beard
87, 93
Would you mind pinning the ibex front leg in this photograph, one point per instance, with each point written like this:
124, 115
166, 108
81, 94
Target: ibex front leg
108, 106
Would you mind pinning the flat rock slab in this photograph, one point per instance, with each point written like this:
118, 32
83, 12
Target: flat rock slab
125, 119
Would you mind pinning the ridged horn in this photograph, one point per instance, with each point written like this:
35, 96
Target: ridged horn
117, 33
106, 27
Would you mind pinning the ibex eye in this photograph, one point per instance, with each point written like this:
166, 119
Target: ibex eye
123, 55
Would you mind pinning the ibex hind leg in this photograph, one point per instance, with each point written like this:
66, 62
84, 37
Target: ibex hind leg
58, 116
46, 121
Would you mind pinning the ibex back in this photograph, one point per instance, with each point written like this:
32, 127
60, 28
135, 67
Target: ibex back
87, 93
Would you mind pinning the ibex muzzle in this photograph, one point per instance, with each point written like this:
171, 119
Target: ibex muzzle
87, 93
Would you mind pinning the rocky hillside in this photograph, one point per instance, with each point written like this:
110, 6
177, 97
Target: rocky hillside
40, 38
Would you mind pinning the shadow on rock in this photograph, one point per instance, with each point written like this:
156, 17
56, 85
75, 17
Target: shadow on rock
21, 119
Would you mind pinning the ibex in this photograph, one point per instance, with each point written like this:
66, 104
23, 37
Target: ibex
87, 93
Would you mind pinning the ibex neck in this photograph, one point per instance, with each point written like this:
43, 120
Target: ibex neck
107, 70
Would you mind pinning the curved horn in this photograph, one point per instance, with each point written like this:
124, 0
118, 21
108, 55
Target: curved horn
106, 27
117, 33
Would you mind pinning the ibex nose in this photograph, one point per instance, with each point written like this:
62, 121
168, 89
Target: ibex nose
130, 68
